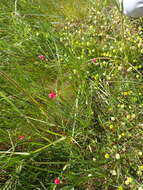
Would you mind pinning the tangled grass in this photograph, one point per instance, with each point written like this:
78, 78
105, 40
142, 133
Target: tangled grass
70, 96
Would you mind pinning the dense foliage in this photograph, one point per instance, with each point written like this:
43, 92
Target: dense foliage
71, 96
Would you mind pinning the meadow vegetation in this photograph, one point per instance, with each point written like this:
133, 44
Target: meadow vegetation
71, 96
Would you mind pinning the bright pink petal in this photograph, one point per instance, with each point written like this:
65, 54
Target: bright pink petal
42, 57
52, 95
57, 181
93, 60
21, 137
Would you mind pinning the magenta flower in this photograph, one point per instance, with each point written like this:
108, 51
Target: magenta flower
42, 57
93, 60
52, 95
57, 181
21, 137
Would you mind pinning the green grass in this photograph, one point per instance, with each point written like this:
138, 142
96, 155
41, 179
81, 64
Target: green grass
90, 135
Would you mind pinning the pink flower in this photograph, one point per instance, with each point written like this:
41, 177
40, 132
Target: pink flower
93, 60
57, 181
42, 57
52, 95
21, 137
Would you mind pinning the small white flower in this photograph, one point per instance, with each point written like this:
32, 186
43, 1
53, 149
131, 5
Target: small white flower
113, 172
122, 105
140, 153
117, 156
139, 173
133, 116
120, 136
129, 69
120, 68
94, 159
112, 118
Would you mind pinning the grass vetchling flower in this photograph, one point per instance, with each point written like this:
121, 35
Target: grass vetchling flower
93, 60
41, 57
21, 137
57, 181
52, 95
